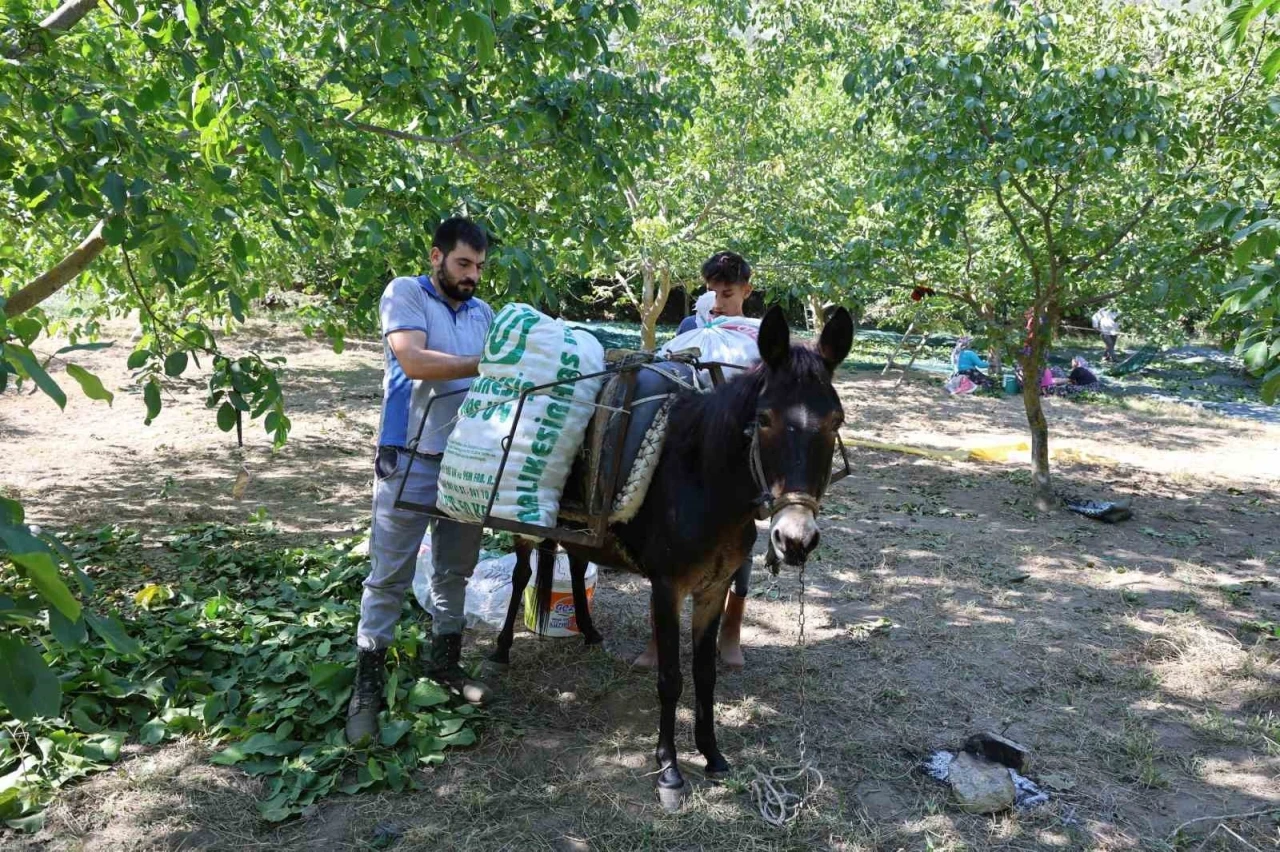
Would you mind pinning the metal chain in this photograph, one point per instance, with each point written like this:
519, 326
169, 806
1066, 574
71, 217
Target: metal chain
777, 805
804, 714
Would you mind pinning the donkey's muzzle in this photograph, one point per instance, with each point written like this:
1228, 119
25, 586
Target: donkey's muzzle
794, 534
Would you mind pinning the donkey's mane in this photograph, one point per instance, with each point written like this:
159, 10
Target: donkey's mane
708, 428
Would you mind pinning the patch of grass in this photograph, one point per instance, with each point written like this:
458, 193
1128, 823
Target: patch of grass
1140, 753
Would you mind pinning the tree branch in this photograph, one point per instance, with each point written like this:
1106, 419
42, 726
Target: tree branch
62, 274
946, 294
1201, 250
1119, 237
1017, 230
62, 19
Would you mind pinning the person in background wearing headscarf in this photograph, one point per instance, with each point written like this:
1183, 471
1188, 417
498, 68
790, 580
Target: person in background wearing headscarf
969, 363
1081, 376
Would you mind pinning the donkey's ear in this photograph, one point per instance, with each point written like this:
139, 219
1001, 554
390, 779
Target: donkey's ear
836, 339
774, 338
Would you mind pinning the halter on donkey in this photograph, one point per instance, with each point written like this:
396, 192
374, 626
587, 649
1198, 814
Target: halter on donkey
759, 446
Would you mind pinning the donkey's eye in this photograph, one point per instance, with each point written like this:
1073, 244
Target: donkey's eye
765, 419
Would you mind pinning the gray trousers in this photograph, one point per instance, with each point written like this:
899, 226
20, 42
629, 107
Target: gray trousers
394, 540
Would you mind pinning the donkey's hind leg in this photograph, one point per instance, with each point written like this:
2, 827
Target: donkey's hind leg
707, 609
581, 606
519, 579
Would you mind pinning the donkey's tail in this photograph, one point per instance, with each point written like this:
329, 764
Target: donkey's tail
542, 586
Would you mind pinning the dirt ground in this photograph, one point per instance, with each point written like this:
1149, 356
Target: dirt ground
939, 604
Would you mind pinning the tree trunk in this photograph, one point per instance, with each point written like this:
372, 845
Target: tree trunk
819, 315
648, 321
654, 292
1032, 367
59, 276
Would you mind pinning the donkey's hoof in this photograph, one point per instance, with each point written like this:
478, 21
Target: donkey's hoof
673, 798
592, 639
498, 660
717, 769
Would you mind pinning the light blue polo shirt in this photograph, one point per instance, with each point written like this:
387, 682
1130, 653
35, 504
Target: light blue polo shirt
413, 303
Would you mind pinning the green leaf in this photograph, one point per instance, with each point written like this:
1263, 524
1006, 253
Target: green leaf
355, 195
331, 677
68, 633
1255, 357
1271, 66
37, 562
258, 744
427, 693
114, 190
111, 631
151, 394
238, 247
1271, 386
104, 748
29, 824
11, 512
392, 732
175, 363
153, 732
90, 384
270, 143
479, 30
226, 417
27, 686
137, 358
192, 14
631, 17
32, 369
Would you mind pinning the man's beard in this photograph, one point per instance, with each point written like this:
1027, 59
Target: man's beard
453, 287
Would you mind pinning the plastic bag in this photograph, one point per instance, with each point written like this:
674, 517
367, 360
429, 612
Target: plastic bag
730, 340
488, 590
959, 383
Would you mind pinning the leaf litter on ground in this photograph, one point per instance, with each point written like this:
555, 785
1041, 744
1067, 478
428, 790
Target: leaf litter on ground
244, 643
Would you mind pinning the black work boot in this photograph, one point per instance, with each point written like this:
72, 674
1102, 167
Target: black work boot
366, 696
444, 669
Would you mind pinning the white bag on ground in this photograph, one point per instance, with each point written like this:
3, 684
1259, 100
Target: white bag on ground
488, 590
729, 340
524, 349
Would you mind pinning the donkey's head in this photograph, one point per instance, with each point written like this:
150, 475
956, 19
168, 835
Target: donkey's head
798, 414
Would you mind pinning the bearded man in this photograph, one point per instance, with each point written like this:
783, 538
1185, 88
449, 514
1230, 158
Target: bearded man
433, 333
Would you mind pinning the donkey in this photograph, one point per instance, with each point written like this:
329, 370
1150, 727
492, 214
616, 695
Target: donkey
759, 445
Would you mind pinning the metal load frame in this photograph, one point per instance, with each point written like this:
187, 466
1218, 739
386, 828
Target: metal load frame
599, 501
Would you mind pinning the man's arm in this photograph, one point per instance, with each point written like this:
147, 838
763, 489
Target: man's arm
423, 364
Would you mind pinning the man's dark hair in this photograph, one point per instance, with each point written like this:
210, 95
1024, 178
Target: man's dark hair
459, 230
726, 267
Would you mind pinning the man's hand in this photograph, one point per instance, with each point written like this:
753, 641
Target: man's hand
423, 364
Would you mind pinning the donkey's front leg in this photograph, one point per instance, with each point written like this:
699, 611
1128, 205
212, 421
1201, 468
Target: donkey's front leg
519, 579
665, 606
707, 609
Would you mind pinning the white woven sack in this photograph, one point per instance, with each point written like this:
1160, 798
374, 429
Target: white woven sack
525, 348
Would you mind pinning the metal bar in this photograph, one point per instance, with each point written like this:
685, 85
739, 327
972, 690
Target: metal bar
838, 474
